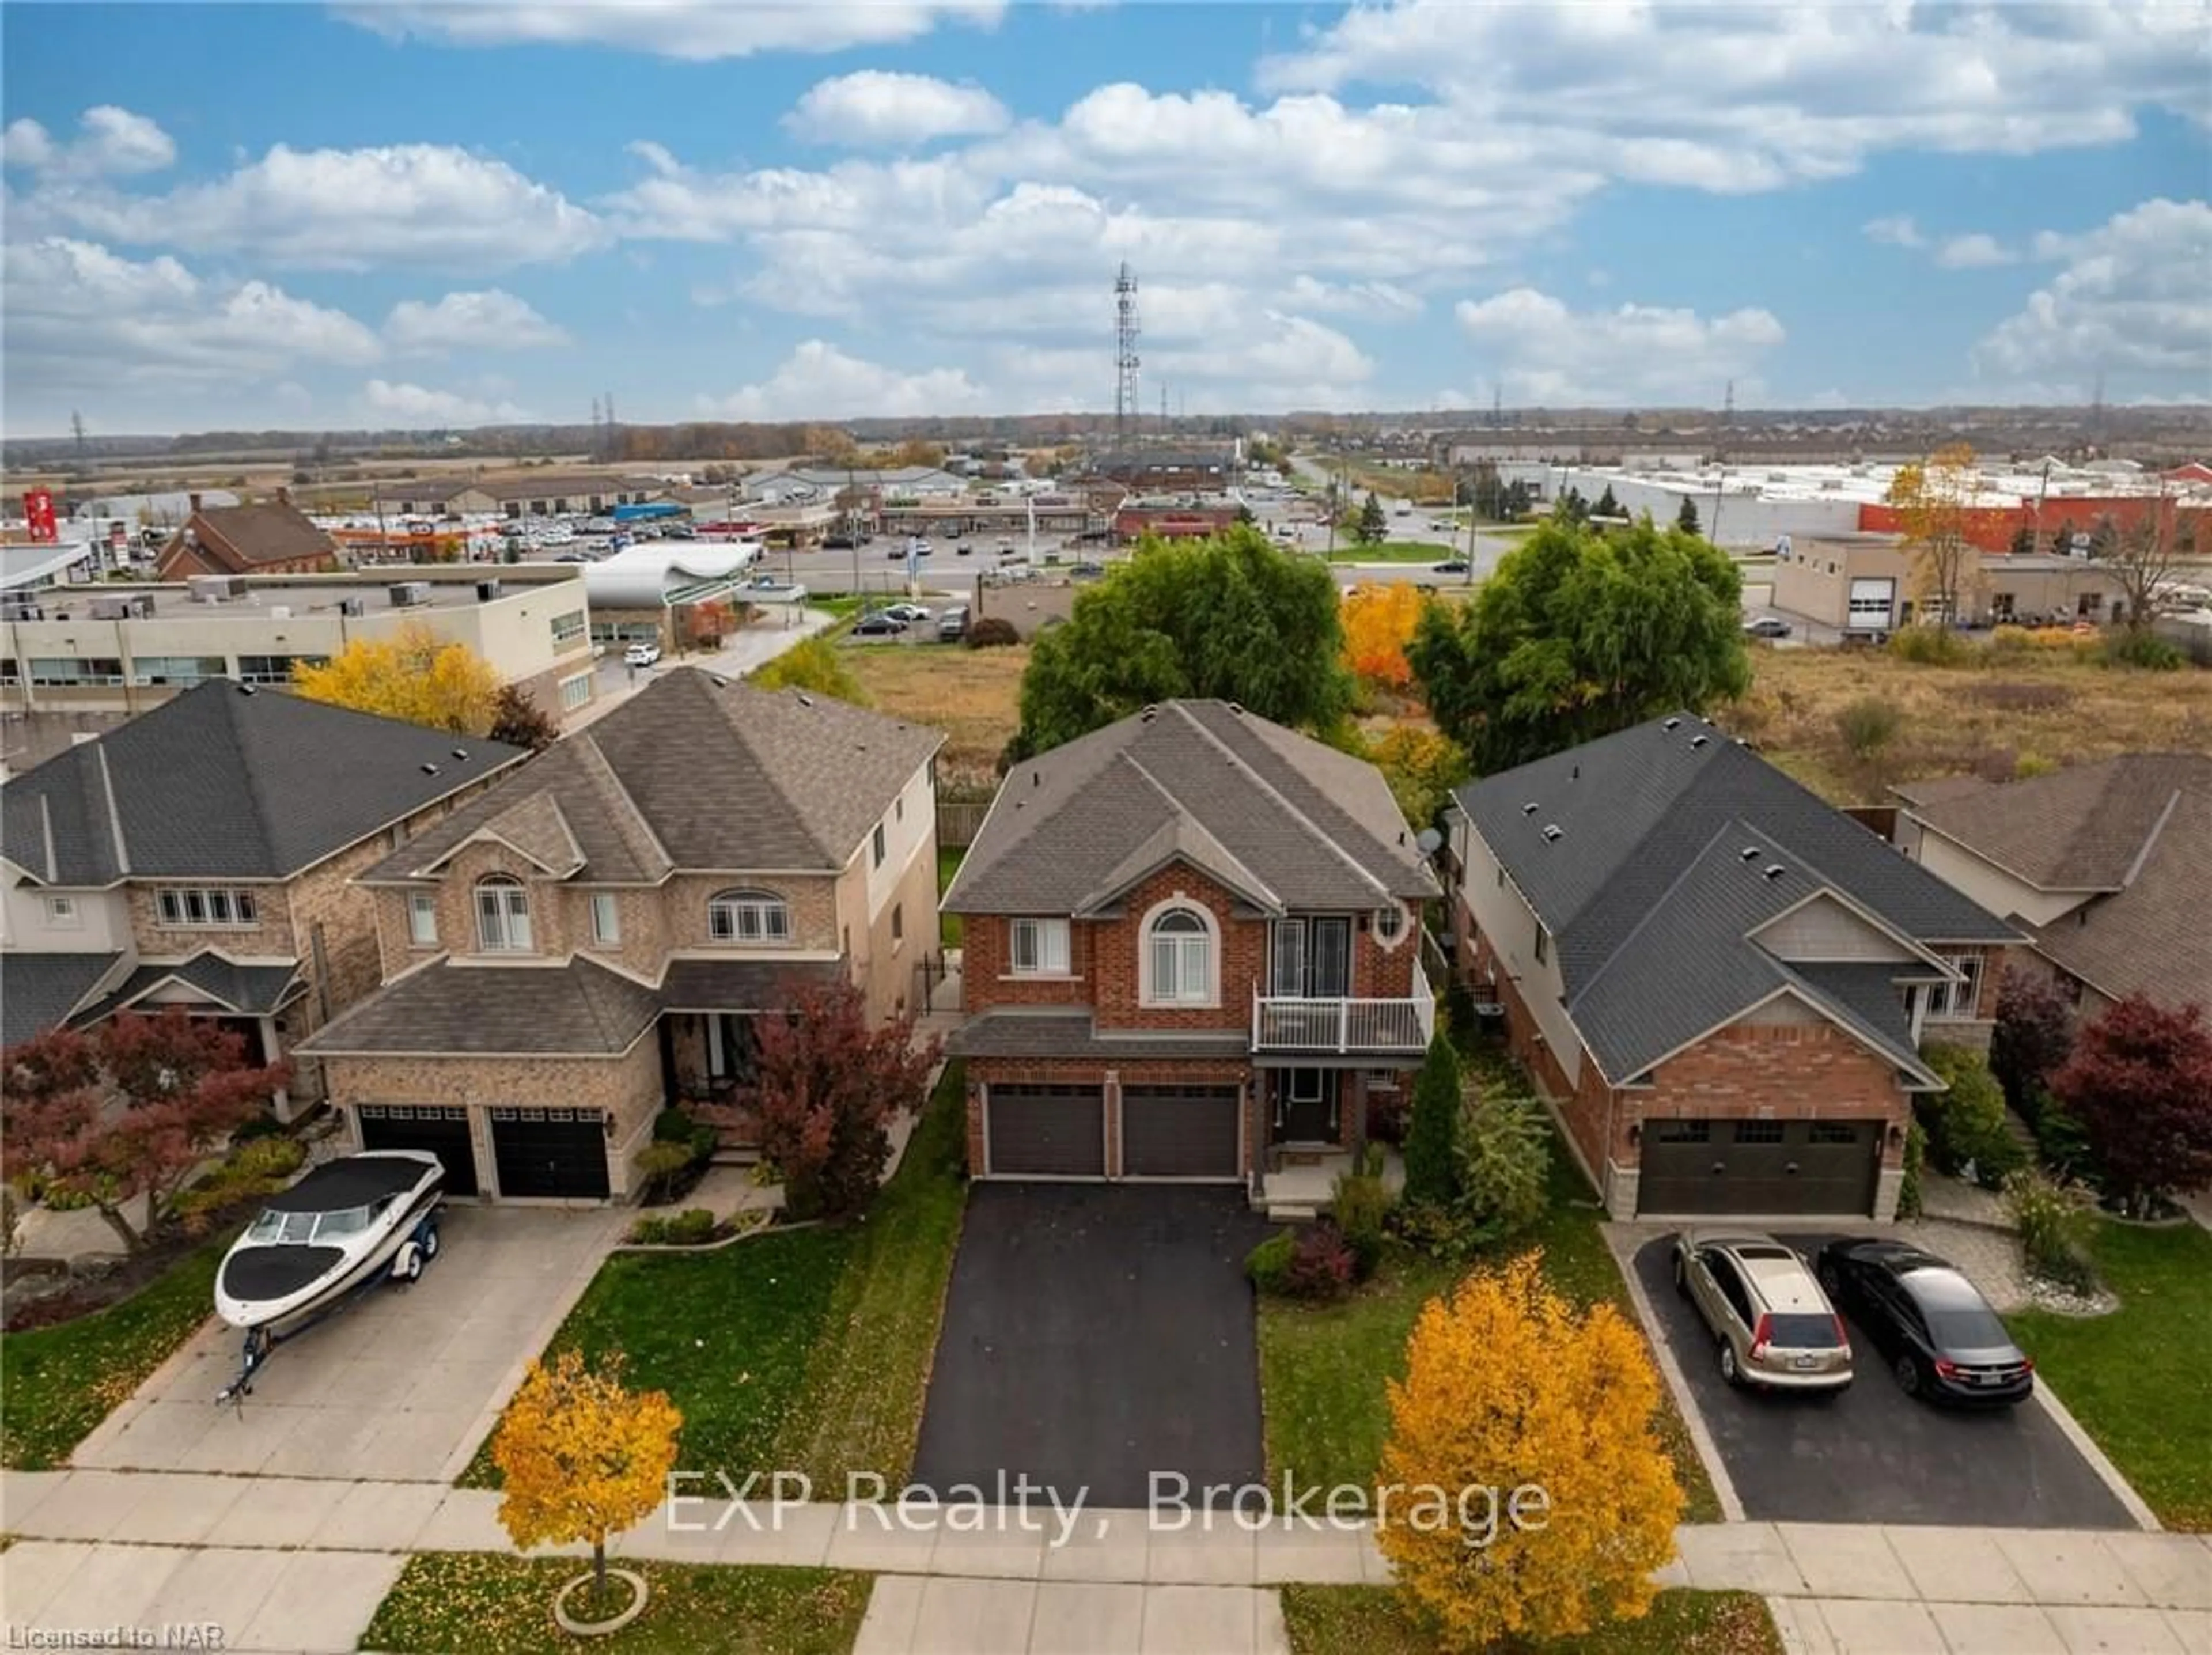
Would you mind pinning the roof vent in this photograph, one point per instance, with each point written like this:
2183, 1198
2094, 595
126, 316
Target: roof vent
1237, 708
429, 769
1698, 741
1672, 724
460, 752
245, 689
1749, 852
1148, 715
805, 700
1554, 833
1576, 774
1775, 872
1529, 809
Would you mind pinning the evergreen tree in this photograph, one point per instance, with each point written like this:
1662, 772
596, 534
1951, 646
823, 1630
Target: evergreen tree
1372, 526
1687, 519
1606, 505
1432, 1136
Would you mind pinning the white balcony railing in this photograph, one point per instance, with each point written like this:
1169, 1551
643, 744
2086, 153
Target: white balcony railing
1303, 1022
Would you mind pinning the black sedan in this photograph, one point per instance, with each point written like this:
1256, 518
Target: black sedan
1940, 1337
880, 624
1450, 566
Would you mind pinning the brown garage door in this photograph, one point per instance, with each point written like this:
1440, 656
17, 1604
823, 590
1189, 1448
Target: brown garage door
1759, 1167
1046, 1132
1179, 1132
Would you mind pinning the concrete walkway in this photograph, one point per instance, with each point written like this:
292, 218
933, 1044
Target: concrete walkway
299, 1565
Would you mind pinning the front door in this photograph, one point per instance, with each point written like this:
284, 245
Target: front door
1305, 1105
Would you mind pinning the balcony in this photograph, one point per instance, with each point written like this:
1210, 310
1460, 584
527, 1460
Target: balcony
1295, 1024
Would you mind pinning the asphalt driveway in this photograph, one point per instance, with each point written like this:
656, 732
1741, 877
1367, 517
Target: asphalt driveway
1094, 1335
399, 1387
1873, 1454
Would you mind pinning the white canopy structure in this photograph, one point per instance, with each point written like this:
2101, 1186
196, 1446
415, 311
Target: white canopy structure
660, 574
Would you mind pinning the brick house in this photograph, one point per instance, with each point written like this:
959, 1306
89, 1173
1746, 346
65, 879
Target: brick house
202, 855
2106, 867
1191, 948
1720, 983
590, 941
273, 538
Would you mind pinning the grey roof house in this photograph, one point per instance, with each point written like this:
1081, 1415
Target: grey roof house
1724, 982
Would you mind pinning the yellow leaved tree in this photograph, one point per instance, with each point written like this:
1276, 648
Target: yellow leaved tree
1378, 623
1509, 1387
583, 1458
1935, 502
412, 675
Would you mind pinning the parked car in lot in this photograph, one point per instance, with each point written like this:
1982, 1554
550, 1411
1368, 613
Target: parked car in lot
642, 655
880, 623
1939, 1334
1774, 1326
1766, 626
907, 612
952, 624
1088, 568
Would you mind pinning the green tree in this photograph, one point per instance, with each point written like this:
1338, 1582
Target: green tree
519, 720
814, 666
1371, 524
1432, 1169
1687, 519
1578, 635
1227, 617
1606, 505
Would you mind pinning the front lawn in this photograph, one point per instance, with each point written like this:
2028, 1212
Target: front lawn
1322, 1369
61, 1382
803, 1349
1396, 552
860, 1408
1374, 1621
2140, 1380
488, 1604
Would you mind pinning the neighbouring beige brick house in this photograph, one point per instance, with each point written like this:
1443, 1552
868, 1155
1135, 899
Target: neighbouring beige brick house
203, 855
2106, 867
590, 941
1721, 983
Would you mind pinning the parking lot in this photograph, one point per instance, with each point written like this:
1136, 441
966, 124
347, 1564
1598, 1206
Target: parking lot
1871, 1454
398, 1388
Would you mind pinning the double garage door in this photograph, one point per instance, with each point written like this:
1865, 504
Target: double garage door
1059, 1132
537, 1151
1759, 1167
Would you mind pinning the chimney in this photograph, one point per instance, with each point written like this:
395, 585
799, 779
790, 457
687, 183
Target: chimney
194, 501
283, 494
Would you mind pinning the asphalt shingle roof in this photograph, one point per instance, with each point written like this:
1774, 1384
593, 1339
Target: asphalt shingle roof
249, 990
1072, 1035
707, 775
1286, 821
578, 1010
39, 991
2080, 829
1650, 899
736, 985
225, 782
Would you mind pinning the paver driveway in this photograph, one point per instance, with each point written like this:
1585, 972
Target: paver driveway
399, 1387
1094, 1335
1873, 1454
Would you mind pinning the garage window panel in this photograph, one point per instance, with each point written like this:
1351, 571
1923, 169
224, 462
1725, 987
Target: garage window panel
1758, 1131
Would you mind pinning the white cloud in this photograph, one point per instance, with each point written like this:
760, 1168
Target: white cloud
86, 325
1546, 353
413, 204
697, 30
1899, 232
1379, 299
873, 107
417, 407
1976, 251
111, 142
819, 381
2132, 298
493, 319
1746, 98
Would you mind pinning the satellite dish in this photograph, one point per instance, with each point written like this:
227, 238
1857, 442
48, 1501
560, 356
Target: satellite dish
1429, 841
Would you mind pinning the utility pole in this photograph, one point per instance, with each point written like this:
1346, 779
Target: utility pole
1125, 411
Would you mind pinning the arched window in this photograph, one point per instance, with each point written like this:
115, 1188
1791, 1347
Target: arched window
759, 917
1179, 956
502, 915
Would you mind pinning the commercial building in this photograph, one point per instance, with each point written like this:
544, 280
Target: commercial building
1864, 583
123, 647
276, 537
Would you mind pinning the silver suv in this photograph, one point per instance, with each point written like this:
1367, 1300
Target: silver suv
1774, 1325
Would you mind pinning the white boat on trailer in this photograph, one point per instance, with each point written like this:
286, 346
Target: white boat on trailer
350, 1226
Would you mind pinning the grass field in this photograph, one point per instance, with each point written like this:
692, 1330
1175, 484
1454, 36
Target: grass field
1374, 1621
972, 694
1396, 552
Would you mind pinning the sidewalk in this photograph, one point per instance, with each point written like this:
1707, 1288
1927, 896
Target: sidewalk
298, 1565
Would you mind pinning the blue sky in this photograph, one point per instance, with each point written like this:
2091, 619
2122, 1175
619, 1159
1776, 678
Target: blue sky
423, 215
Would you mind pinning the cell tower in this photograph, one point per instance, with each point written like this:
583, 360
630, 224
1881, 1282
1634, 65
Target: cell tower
1728, 406
1126, 409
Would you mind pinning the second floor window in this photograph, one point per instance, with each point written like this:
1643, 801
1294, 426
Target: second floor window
503, 916
1039, 948
607, 919
192, 906
1181, 947
748, 916
422, 919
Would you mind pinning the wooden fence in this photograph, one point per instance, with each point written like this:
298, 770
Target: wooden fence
959, 820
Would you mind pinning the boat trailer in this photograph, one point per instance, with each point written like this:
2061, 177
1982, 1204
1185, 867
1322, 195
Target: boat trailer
405, 1268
